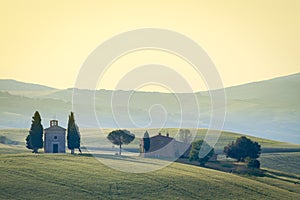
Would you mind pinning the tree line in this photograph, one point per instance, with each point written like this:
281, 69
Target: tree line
243, 149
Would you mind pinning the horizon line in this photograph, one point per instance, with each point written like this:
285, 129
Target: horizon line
146, 91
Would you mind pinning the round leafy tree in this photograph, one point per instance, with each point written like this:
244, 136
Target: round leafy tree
120, 137
196, 154
185, 136
242, 148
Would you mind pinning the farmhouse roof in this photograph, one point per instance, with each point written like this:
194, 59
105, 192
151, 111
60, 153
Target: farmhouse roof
162, 137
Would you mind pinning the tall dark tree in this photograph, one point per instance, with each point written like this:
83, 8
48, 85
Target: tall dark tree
35, 138
146, 142
73, 135
185, 135
120, 137
242, 148
195, 153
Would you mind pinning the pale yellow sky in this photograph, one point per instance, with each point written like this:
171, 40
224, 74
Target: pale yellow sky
46, 42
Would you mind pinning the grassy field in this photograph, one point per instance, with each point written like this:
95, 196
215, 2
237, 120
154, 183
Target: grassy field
286, 162
48, 176
277, 159
93, 138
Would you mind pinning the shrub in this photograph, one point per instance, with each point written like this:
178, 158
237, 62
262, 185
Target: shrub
252, 163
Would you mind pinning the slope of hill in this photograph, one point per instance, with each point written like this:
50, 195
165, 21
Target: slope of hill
16, 111
27, 176
275, 155
267, 109
276, 89
13, 85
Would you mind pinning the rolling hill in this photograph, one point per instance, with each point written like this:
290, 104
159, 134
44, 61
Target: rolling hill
13, 85
275, 155
268, 109
27, 176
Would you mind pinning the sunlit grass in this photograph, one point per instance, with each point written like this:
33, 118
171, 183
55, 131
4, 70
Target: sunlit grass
50, 176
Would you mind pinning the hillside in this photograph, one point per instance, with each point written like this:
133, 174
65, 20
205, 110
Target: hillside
27, 176
268, 89
275, 155
15, 110
267, 109
13, 85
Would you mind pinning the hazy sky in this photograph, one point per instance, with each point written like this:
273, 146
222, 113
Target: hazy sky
46, 42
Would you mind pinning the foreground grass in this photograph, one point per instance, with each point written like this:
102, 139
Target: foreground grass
49, 176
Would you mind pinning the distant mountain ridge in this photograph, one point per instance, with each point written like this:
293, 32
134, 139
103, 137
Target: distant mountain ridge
268, 109
12, 85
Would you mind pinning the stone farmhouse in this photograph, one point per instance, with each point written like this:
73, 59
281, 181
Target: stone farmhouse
165, 147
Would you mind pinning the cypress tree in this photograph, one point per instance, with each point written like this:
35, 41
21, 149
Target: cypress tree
35, 138
73, 135
146, 142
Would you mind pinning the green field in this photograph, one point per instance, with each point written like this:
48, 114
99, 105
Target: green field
48, 176
93, 138
281, 156
28, 176
286, 162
